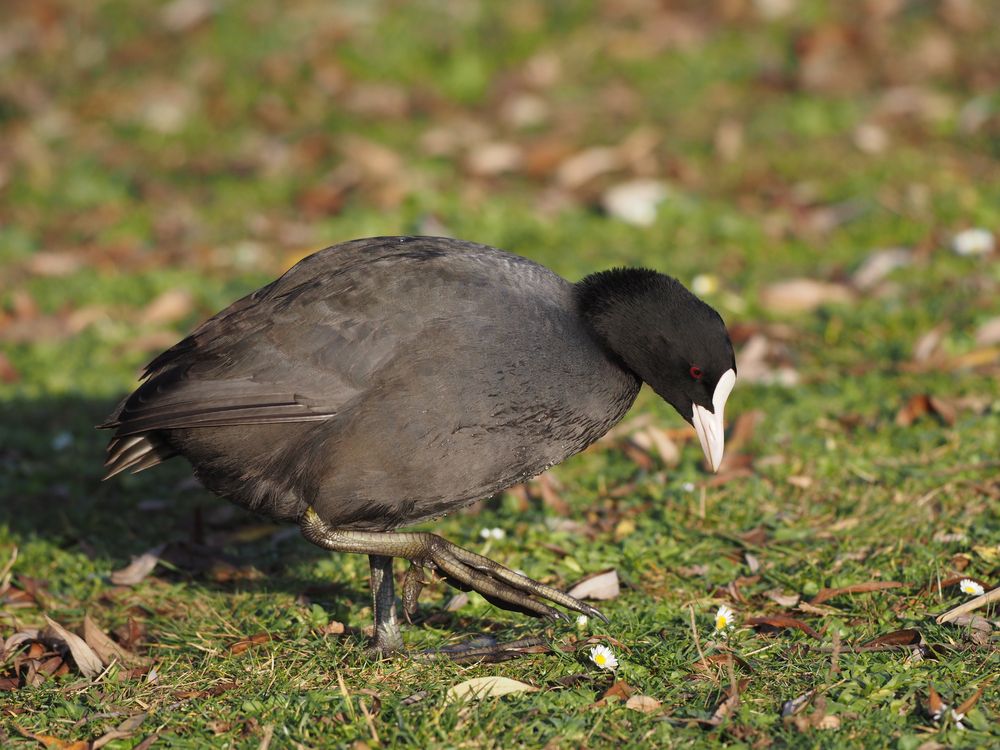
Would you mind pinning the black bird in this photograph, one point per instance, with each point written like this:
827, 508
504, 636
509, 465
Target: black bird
390, 380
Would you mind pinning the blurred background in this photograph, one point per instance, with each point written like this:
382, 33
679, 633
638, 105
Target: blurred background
158, 159
826, 174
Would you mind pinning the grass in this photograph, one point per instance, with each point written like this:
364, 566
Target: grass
160, 159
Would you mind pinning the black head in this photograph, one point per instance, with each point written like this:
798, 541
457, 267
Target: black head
670, 339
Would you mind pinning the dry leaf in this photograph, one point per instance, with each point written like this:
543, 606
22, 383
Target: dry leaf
642, 703
782, 622
86, 660
139, 568
858, 588
255, 640
54, 743
602, 586
880, 264
904, 637
619, 689
105, 648
988, 334
803, 295
635, 202
126, 729
785, 600
487, 687
168, 307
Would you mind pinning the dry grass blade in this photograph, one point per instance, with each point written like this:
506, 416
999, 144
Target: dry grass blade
86, 660
857, 588
973, 604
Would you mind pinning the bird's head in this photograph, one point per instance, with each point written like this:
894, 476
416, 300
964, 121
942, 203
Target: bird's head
670, 339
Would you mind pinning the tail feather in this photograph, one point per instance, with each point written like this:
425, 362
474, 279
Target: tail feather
136, 452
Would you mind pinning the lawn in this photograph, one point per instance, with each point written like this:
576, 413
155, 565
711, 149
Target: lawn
826, 175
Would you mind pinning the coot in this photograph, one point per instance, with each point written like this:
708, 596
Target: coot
389, 380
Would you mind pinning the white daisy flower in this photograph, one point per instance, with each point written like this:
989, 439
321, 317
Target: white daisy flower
603, 658
494, 533
581, 621
957, 718
688, 487
970, 587
724, 618
705, 283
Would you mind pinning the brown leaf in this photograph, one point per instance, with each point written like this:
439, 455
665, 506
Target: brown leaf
779, 597
126, 729
972, 700
601, 586
643, 704
54, 743
255, 640
803, 295
86, 660
139, 568
720, 659
857, 588
904, 637
168, 307
106, 649
782, 622
619, 689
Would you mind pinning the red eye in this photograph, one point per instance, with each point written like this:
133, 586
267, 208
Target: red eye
695, 372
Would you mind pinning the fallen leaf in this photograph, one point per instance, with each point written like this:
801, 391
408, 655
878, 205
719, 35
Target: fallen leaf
858, 588
643, 704
54, 743
988, 334
779, 597
635, 202
86, 660
255, 640
601, 586
619, 689
880, 264
904, 637
126, 729
139, 568
794, 705
782, 622
803, 295
168, 307
487, 687
105, 648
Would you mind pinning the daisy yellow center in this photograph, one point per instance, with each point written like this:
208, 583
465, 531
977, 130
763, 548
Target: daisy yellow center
720, 622
600, 659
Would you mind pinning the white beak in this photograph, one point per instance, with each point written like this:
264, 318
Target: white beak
708, 424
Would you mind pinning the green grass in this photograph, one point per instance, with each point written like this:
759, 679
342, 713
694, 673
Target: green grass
262, 103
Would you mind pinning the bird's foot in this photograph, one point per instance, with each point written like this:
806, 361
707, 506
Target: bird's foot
498, 584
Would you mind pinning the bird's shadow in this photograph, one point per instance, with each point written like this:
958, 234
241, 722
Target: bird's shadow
51, 464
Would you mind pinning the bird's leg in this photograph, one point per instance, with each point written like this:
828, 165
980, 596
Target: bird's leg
460, 567
387, 638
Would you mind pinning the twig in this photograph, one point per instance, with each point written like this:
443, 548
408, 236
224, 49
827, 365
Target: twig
980, 601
